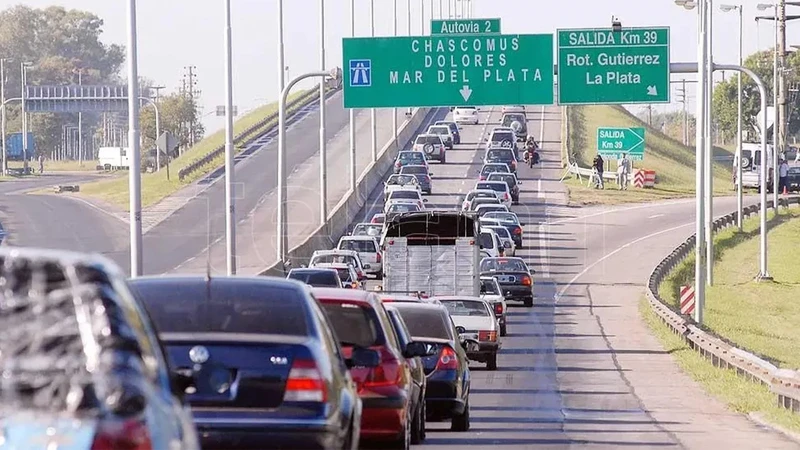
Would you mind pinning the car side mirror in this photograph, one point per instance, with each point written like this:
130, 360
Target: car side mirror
507, 244
363, 357
180, 382
483, 290
424, 200
417, 349
430, 174
367, 266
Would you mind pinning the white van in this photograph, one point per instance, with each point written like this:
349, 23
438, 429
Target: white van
113, 158
490, 243
368, 251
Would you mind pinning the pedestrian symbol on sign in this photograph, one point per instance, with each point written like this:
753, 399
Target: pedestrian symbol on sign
360, 72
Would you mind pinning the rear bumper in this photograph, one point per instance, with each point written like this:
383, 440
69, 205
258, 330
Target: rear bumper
267, 434
443, 408
383, 418
519, 293
487, 349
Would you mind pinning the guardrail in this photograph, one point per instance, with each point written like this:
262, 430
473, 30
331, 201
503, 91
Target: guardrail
784, 383
253, 132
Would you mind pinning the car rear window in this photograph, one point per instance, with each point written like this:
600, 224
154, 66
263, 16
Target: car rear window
439, 130
400, 180
502, 232
428, 140
509, 180
489, 287
318, 278
411, 156
358, 245
403, 207
414, 170
487, 241
502, 136
466, 308
508, 119
503, 265
502, 155
422, 323
196, 307
353, 324
414, 195
499, 187
503, 216
489, 168
335, 259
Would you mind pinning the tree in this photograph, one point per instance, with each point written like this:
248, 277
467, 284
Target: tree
174, 110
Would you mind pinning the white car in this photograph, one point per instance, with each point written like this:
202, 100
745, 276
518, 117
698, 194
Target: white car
323, 258
502, 138
466, 205
406, 195
513, 109
499, 187
367, 229
445, 133
505, 238
367, 249
491, 243
400, 206
474, 319
487, 208
398, 181
466, 114
492, 293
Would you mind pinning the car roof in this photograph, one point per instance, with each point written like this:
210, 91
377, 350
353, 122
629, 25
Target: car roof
422, 306
414, 165
411, 151
459, 297
493, 182
336, 265
358, 238
504, 174
235, 280
368, 224
317, 269
350, 295
505, 258
334, 252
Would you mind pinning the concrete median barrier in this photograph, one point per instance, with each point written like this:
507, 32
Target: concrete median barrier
339, 219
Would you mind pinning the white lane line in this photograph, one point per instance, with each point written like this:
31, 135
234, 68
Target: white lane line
656, 216
97, 208
617, 250
541, 127
540, 192
624, 209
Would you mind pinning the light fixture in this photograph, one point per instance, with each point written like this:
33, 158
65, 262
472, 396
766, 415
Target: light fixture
765, 6
728, 8
688, 4
616, 25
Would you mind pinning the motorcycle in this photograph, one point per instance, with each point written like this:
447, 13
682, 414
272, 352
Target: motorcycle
531, 155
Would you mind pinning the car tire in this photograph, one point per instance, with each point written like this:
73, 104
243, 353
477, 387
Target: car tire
418, 427
528, 302
503, 330
491, 362
460, 422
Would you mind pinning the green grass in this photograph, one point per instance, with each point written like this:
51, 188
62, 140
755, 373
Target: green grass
737, 393
155, 186
58, 166
673, 162
760, 317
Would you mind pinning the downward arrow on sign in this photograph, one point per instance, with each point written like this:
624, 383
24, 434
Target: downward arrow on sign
466, 92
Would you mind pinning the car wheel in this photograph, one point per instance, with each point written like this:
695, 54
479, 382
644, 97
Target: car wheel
461, 421
529, 302
503, 330
418, 428
491, 362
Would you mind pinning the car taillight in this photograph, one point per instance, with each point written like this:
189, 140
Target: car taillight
305, 383
127, 435
378, 257
387, 373
514, 164
483, 177
397, 164
498, 308
428, 178
518, 230
505, 195
526, 280
447, 359
490, 336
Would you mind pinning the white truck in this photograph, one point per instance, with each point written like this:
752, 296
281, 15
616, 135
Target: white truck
432, 251
113, 158
751, 165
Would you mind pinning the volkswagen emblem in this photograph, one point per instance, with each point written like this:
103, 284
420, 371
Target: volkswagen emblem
198, 354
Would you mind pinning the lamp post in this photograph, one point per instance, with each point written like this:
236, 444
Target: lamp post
230, 205
739, 194
394, 110
372, 119
282, 237
3, 113
323, 150
777, 120
23, 69
709, 143
353, 176
134, 174
281, 65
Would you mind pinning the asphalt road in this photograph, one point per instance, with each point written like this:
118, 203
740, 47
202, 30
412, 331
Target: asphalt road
581, 369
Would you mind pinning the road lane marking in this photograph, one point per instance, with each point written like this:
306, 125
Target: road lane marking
656, 216
614, 252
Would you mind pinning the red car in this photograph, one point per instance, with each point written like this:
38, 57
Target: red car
392, 402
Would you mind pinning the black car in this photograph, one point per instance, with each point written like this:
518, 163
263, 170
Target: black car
422, 175
511, 181
511, 221
447, 370
502, 155
267, 370
793, 179
417, 371
316, 277
515, 278
453, 129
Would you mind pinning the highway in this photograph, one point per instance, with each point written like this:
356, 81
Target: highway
580, 369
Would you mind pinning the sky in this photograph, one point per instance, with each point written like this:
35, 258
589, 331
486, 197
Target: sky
173, 34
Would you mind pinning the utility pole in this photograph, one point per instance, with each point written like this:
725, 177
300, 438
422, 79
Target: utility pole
191, 93
684, 115
781, 85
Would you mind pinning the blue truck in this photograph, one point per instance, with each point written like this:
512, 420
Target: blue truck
14, 146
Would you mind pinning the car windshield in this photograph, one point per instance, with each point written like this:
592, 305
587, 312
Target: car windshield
411, 156
334, 259
490, 287
466, 308
502, 136
439, 130
317, 278
500, 155
473, 195
483, 209
509, 179
423, 323
353, 324
502, 232
503, 217
404, 194
223, 307
503, 265
358, 245
403, 207
487, 240
414, 170
367, 230
508, 119
498, 187
489, 168
401, 180
428, 139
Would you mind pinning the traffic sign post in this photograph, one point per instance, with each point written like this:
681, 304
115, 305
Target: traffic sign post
442, 70
466, 26
611, 142
602, 66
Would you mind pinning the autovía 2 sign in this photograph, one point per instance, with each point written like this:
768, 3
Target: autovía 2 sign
468, 26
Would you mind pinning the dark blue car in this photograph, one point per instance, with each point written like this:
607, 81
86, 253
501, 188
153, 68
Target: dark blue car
453, 129
268, 372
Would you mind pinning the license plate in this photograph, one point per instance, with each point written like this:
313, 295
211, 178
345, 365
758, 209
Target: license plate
507, 279
470, 336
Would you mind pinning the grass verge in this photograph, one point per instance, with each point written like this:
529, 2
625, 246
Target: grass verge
155, 186
737, 393
58, 166
673, 162
760, 317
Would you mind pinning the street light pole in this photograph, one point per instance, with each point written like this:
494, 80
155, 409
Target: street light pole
394, 110
3, 113
323, 150
23, 68
700, 223
230, 205
134, 174
351, 112
372, 119
281, 65
282, 236
776, 124
709, 144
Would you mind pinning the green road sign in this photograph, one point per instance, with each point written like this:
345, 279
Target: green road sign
445, 70
467, 26
611, 142
598, 66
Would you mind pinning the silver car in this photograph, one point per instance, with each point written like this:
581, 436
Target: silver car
432, 145
475, 319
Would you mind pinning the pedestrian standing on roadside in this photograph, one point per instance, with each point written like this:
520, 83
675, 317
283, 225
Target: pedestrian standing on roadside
783, 176
623, 171
597, 164
41, 163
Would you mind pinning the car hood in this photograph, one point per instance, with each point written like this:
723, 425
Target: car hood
475, 323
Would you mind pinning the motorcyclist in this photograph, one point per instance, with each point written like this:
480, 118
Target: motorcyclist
531, 156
